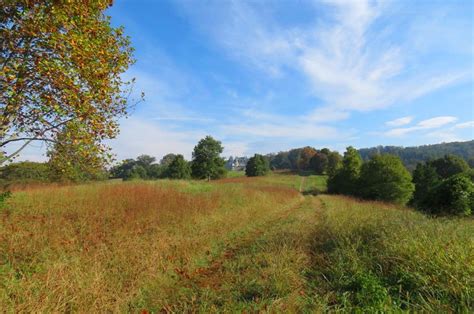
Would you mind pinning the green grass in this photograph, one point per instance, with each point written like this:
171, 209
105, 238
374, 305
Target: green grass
233, 245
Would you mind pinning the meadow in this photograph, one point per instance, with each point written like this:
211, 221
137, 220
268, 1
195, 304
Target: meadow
273, 243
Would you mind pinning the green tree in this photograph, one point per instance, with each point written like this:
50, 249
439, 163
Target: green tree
123, 169
319, 163
425, 179
257, 165
61, 61
345, 180
449, 165
453, 196
334, 163
167, 159
25, 171
385, 178
178, 169
207, 163
294, 157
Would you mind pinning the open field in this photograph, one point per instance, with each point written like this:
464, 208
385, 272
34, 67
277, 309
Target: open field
268, 243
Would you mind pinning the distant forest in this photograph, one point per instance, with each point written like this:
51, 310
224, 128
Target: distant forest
310, 159
410, 156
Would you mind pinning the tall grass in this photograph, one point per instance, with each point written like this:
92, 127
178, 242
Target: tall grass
373, 256
234, 245
93, 247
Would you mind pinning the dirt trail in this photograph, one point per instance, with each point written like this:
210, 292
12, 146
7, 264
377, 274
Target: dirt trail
260, 266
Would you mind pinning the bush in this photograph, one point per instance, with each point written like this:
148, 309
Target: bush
178, 169
449, 165
454, 196
345, 179
257, 165
384, 178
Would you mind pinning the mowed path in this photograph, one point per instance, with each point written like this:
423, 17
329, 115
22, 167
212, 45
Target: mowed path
264, 268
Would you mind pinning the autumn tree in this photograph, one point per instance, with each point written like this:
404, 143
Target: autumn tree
207, 163
60, 61
71, 159
305, 157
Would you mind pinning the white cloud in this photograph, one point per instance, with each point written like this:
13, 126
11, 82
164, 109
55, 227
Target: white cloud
436, 122
140, 136
464, 125
351, 65
432, 123
400, 121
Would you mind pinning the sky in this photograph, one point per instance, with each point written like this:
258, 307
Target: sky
266, 76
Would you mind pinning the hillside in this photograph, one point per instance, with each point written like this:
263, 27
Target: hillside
410, 156
232, 245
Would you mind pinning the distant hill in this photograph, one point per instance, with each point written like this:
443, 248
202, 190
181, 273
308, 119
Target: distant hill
413, 155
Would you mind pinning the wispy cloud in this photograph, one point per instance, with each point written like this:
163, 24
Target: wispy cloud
350, 64
400, 121
432, 123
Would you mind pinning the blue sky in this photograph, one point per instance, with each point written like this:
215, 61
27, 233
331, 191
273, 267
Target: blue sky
265, 76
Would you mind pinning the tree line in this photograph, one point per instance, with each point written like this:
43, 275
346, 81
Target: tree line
411, 156
439, 186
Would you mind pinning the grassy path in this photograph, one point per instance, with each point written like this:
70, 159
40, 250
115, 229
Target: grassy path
264, 268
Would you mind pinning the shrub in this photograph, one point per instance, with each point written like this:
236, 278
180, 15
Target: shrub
449, 165
454, 196
385, 178
345, 179
178, 169
257, 165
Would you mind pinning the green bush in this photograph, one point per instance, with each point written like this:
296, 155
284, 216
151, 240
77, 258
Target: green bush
385, 178
454, 196
257, 165
345, 179
178, 169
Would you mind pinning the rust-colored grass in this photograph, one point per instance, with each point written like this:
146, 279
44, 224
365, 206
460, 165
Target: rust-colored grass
93, 247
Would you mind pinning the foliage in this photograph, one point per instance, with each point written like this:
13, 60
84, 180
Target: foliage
207, 163
178, 169
411, 156
444, 186
425, 179
167, 159
345, 180
62, 62
319, 163
385, 178
304, 161
452, 196
70, 159
25, 172
279, 161
257, 165
334, 163
449, 165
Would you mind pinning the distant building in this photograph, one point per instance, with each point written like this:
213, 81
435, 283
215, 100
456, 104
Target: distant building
236, 163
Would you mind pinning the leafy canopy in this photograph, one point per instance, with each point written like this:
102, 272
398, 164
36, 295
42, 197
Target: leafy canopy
207, 163
178, 169
60, 61
257, 165
385, 178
